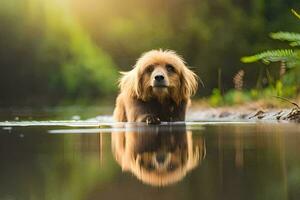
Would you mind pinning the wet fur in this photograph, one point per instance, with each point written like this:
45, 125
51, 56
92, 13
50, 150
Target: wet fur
139, 102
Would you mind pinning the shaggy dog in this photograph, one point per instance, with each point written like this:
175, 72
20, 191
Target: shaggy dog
157, 89
158, 156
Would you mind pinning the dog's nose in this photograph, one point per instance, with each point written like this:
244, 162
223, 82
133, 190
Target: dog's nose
160, 158
159, 77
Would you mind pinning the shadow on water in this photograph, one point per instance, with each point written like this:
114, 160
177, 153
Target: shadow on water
205, 160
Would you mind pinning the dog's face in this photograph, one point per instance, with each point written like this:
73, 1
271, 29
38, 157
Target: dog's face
159, 74
160, 79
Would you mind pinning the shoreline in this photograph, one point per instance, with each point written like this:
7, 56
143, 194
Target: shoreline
245, 113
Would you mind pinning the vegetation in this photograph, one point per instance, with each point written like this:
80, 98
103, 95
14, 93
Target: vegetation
287, 85
69, 50
48, 55
290, 57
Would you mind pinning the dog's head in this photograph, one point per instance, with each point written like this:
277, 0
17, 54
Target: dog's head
158, 159
160, 74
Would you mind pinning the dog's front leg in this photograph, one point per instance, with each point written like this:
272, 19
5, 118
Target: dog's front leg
149, 119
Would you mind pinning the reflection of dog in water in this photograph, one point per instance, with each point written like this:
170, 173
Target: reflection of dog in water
157, 155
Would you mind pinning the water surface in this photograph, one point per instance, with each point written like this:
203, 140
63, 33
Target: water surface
193, 160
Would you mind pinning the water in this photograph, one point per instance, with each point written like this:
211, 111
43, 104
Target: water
92, 159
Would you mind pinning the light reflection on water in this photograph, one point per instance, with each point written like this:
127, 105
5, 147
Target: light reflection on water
206, 160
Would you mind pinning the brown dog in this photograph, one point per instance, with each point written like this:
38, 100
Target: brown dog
157, 89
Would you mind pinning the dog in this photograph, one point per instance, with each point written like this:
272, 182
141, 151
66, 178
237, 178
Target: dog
157, 89
158, 156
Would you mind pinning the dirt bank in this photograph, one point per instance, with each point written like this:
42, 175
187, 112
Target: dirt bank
251, 112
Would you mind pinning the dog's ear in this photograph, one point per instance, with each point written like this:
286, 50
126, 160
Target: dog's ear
189, 83
130, 83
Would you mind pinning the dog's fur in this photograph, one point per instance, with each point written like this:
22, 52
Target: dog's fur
137, 152
141, 100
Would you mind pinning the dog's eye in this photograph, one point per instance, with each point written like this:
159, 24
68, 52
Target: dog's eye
149, 68
170, 68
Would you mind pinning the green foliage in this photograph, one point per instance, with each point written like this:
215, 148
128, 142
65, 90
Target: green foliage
285, 55
293, 38
68, 50
235, 97
232, 97
295, 13
87, 69
216, 98
290, 58
279, 88
56, 58
268, 94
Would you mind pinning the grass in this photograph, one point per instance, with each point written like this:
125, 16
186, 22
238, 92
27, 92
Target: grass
270, 97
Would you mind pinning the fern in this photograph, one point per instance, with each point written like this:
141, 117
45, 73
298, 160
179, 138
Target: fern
290, 56
295, 44
284, 55
293, 38
296, 14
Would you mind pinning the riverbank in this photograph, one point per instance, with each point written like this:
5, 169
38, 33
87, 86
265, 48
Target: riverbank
263, 110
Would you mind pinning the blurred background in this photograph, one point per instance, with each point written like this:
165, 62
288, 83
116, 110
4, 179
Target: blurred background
64, 51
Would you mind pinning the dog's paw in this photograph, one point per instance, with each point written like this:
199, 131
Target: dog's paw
152, 120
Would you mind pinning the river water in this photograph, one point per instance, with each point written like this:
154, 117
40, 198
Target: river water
98, 159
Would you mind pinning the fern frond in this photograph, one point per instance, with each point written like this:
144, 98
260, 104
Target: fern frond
272, 56
293, 38
289, 56
295, 44
296, 14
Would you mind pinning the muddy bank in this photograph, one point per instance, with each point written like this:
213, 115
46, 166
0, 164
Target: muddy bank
245, 113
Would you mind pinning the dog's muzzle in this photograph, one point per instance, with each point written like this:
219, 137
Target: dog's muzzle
159, 81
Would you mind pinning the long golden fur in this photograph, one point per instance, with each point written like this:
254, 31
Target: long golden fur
158, 88
139, 152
